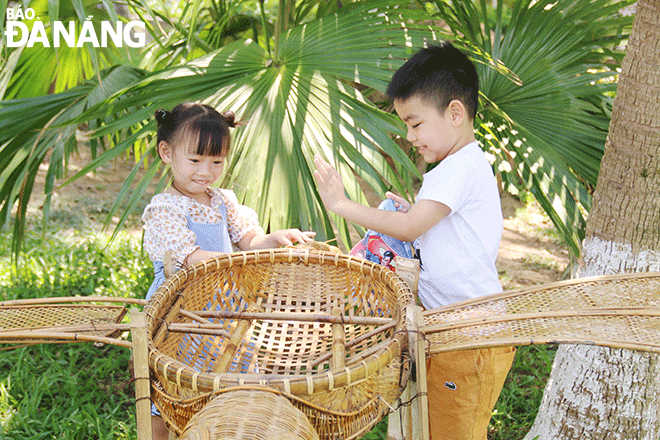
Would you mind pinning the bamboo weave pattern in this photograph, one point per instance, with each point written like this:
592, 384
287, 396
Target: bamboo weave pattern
620, 311
288, 355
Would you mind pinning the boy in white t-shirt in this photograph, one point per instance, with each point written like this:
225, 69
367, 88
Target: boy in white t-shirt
457, 218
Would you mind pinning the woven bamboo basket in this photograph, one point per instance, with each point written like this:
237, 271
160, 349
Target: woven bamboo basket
224, 418
619, 311
325, 330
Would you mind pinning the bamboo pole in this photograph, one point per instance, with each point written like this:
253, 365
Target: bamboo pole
141, 373
106, 328
194, 317
420, 405
408, 269
70, 299
53, 337
400, 422
338, 342
514, 317
234, 342
199, 329
352, 342
304, 317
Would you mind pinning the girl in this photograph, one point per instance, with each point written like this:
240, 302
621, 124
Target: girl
191, 219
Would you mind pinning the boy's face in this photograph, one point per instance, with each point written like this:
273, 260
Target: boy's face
434, 134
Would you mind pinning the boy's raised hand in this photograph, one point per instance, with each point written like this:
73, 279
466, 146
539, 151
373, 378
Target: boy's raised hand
328, 182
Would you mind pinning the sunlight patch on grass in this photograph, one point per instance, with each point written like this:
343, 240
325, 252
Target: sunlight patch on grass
7, 404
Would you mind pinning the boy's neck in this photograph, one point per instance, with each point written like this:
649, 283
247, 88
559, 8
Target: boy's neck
465, 139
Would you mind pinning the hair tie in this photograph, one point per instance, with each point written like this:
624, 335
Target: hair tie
161, 115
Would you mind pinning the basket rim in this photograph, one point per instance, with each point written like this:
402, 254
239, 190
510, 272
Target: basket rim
301, 384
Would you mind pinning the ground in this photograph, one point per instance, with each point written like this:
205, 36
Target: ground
530, 252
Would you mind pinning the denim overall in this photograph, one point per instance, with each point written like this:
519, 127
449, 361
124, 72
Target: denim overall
210, 237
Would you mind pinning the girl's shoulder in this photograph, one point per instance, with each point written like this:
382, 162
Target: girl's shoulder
169, 202
225, 195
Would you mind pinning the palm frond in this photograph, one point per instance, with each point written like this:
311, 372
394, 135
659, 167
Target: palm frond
558, 111
27, 141
299, 104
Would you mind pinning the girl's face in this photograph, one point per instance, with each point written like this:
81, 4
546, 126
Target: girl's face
192, 173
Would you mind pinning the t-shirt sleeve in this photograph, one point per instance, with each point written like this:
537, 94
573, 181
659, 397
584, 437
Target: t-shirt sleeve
448, 183
241, 219
166, 228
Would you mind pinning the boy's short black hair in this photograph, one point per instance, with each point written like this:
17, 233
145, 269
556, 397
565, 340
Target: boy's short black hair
438, 74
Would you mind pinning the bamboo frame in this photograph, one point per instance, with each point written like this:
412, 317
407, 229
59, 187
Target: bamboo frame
619, 311
141, 374
302, 317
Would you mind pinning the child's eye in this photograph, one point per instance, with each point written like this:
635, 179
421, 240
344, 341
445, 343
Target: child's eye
194, 160
416, 125
217, 162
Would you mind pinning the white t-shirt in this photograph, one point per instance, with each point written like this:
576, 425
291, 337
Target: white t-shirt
458, 254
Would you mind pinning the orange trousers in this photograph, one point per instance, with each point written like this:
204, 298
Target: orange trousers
463, 387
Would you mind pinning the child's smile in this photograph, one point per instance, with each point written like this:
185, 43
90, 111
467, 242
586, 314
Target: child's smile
434, 134
193, 173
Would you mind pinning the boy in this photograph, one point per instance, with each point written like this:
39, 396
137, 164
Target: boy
457, 218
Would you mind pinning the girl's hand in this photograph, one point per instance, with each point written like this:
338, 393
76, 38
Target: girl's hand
283, 237
400, 203
287, 237
329, 184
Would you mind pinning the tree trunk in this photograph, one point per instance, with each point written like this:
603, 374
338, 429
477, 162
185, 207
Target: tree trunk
602, 393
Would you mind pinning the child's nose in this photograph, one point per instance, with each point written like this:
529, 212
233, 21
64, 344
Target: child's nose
411, 135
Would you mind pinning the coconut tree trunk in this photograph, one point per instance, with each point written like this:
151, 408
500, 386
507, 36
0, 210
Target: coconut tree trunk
602, 393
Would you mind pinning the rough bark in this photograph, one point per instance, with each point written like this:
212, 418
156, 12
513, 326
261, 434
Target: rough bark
602, 393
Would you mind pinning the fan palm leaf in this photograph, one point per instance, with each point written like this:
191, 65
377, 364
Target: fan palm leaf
299, 101
547, 130
42, 69
33, 128
303, 91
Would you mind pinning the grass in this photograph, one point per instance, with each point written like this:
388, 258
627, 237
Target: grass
521, 396
69, 391
83, 391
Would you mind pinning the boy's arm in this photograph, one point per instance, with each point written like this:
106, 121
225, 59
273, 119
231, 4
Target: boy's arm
406, 226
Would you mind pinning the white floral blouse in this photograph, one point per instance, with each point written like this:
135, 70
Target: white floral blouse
166, 222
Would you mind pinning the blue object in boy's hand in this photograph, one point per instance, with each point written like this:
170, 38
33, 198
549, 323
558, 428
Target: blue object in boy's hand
380, 248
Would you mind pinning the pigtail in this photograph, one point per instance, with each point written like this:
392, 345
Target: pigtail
201, 126
165, 122
230, 118
161, 115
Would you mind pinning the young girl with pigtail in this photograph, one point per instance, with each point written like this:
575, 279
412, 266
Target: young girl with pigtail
191, 219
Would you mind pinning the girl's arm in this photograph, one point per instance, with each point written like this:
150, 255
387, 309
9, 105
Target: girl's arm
275, 239
254, 240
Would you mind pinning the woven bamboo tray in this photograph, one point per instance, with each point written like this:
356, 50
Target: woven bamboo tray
63, 320
327, 331
620, 311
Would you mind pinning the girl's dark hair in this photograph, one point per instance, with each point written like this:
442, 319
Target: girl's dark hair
190, 123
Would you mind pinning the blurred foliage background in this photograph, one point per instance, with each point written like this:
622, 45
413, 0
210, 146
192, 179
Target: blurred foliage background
309, 77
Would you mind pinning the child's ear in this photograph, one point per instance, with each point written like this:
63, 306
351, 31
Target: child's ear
165, 151
456, 112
